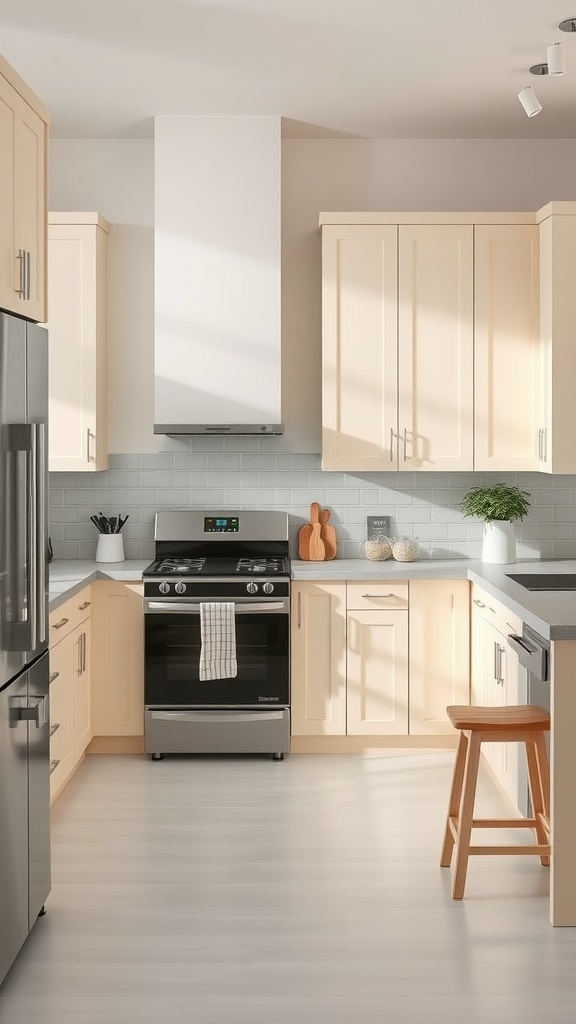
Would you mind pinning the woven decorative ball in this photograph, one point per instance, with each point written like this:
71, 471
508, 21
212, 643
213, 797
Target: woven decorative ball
405, 549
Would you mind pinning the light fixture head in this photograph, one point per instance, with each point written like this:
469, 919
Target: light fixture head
539, 69
529, 101
555, 54
568, 25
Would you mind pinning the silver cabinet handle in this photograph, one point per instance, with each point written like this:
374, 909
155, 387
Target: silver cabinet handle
58, 625
88, 444
53, 676
81, 607
54, 727
391, 444
83, 652
21, 290
404, 440
479, 602
79, 661
27, 275
542, 444
54, 764
299, 609
495, 666
378, 596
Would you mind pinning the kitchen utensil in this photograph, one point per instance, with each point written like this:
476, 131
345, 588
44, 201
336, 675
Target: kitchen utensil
328, 535
317, 549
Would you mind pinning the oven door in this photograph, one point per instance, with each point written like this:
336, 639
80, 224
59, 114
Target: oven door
172, 656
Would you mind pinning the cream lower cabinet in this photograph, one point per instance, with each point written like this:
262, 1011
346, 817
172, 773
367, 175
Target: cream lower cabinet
495, 680
77, 337
439, 653
70, 688
378, 658
318, 659
23, 188
118, 659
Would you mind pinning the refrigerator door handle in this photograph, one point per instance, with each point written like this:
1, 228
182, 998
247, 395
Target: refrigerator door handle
37, 712
40, 539
19, 591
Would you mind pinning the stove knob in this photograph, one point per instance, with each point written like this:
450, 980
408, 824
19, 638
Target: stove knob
180, 588
252, 588
164, 588
268, 588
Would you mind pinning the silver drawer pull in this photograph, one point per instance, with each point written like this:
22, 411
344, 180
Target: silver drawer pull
380, 595
54, 727
53, 676
54, 764
81, 607
479, 603
58, 625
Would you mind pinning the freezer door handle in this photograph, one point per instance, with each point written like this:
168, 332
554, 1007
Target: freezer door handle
36, 712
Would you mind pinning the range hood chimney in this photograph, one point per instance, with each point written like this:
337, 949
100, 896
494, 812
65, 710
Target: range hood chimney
217, 275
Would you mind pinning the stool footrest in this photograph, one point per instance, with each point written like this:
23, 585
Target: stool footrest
504, 823
517, 851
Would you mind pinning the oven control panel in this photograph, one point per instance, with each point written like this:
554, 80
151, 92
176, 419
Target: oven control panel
222, 524
207, 590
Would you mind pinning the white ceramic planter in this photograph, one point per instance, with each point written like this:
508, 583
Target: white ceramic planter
499, 543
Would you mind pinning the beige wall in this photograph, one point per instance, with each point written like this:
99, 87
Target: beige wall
115, 177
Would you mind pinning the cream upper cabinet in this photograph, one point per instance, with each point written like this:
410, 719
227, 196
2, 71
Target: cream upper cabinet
397, 347
118, 659
507, 352
557, 223
435, 347
318, 663
439, 653
77, 339
23, 207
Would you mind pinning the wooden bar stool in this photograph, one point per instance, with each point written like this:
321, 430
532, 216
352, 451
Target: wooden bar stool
526, 724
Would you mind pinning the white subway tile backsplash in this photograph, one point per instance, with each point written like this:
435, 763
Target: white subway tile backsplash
246, 472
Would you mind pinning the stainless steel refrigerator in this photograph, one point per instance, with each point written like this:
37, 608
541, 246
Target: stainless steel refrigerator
24, 675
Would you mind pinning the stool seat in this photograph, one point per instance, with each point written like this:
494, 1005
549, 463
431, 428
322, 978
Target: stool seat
498, 719
520, 723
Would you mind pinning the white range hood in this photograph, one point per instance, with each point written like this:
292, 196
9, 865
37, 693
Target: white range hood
217, 275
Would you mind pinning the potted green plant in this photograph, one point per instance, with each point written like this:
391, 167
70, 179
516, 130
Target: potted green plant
499, 506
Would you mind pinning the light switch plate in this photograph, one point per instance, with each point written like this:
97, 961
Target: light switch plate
376, 524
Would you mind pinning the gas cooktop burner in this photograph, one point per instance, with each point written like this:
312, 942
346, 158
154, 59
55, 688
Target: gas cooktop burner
267, 565
181, 565
218, 566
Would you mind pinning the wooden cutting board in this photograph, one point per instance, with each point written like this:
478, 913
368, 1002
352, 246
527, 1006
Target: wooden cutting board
328, 535
309, 536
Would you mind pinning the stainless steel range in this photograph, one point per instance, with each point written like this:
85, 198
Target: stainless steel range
217, 634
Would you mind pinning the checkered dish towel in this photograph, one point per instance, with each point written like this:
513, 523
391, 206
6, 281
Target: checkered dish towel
218, 633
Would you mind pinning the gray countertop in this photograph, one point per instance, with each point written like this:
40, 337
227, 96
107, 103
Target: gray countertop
551, 614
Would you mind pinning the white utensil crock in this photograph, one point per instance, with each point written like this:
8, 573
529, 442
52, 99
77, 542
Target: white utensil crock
499, 543
110, 548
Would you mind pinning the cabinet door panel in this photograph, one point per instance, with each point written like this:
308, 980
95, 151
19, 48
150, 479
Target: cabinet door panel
82, 691
30, 205
359, 347
377, 691
439, 653
8, 267
435, 358
118, 660
508, 350
318, 667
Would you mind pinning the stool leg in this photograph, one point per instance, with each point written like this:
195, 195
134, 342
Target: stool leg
536, 795
466, 815
454, 802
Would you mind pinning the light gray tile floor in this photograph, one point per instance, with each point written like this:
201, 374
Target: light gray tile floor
243, 891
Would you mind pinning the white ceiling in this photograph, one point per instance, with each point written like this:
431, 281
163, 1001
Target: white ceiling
375, 68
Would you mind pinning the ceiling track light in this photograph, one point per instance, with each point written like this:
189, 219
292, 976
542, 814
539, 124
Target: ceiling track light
529, 101
568, 25
555, 65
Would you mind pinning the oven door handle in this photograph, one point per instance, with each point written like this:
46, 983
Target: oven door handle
217, 716
178, 607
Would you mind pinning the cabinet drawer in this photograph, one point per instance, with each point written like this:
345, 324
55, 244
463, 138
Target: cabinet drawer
493, 611
69, 615
377, 596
